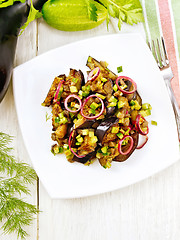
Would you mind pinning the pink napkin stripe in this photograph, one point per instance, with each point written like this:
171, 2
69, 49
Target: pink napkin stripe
167, 29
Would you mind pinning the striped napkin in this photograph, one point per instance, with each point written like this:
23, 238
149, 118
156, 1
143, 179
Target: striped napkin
162, 18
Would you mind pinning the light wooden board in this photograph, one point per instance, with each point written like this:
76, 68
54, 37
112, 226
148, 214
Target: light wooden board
26, 49
147, 210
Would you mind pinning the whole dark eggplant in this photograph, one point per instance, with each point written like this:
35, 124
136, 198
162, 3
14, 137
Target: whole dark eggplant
11, 20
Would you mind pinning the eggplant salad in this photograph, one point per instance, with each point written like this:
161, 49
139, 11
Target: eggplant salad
100, 118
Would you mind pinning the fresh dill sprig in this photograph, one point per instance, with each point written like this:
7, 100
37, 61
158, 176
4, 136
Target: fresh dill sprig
47, 116
15, 213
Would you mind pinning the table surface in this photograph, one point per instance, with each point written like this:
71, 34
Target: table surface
146, 210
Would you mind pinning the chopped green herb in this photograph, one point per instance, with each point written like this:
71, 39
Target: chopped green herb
63, 120
104, 149
135, 105
74, 80
115, 88
57, 119
113, 99
154, 123
120, 135
112, 104
119, 69
61, 150
92, 111
65, 146
47, 117
100, 96
103, 79
94, 105
146, 106
145, 113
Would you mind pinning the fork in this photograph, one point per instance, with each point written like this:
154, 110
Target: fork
162, 60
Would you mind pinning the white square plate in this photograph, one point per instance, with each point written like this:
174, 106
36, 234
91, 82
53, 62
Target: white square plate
31, 82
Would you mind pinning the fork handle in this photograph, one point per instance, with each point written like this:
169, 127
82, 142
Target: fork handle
174, 105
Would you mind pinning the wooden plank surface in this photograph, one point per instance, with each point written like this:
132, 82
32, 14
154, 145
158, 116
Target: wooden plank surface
147, 210
26, 49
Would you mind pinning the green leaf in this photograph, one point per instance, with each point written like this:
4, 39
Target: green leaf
33, 14
92, 11
127, 6
129, 11
7, 3
120, 22
107, 20
112, 11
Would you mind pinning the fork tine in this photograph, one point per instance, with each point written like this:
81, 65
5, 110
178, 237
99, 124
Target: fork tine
160, 54
165, 52
155, 53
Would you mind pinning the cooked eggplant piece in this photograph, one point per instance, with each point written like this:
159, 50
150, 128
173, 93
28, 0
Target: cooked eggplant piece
134, 96
138, 98
49, 98
60, 141
84, 143
120, 157
110, 111
61, 131
85, 159
108, 88
104, 127
84, 123
106, 73
56, 110
73, 83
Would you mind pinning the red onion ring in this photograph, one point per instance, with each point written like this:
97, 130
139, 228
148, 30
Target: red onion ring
93, 74
69, 143
144, 142
129, 79
120, 144
66, 103
138, 127
57, 91
96, 116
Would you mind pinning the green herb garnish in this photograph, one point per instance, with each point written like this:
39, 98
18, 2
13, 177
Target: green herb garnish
154, 123
47, 116
119, 69
15, 213
126, 11
92, 10
57, 119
